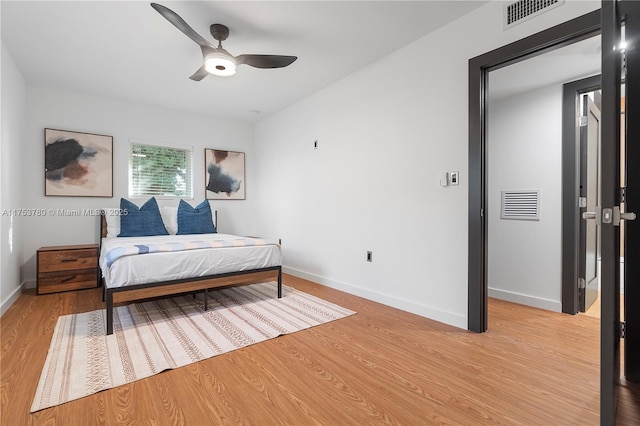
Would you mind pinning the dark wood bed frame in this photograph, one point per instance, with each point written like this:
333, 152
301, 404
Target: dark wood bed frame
188, 285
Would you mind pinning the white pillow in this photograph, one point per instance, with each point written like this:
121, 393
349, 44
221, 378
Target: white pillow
112, 215
170, 218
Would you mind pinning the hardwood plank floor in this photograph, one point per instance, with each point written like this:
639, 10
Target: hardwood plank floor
381, 365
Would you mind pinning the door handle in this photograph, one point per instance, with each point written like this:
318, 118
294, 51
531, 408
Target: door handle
628, 216
609, 216
618, 216
594, 215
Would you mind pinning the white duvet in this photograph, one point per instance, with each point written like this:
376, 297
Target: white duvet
165, 266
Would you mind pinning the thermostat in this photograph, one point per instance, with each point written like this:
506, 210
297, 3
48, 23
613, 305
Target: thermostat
453, 178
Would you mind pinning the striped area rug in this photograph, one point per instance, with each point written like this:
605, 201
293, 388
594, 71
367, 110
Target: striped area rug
154, 336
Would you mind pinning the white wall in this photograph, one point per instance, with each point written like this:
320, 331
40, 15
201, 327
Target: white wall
524, 152
59, 109
12, 125
385, 134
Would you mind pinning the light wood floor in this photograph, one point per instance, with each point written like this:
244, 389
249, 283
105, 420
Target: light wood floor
594, 310
381, 365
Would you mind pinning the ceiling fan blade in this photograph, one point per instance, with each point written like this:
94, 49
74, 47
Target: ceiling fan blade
265, 61
180, 24
200, 74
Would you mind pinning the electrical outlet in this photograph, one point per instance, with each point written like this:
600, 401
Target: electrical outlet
315, 144
369, 256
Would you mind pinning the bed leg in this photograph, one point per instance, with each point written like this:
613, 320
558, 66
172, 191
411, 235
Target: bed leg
206, 299
109, 312
280, 283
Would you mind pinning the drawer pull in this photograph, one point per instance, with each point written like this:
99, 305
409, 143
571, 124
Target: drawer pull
68, 260
68, 279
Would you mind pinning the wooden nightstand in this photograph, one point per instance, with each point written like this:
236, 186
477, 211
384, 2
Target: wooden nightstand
63, 268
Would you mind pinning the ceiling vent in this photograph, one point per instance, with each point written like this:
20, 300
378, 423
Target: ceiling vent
520, 205
519, 11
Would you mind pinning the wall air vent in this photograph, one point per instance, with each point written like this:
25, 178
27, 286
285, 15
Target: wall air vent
520, 205
519, 11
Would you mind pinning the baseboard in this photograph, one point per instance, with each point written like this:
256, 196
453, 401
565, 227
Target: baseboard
386, 299
12, 298
525, 299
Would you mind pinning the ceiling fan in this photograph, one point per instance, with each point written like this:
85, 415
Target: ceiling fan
217, 60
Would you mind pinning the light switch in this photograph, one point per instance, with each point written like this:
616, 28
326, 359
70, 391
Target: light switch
444, 179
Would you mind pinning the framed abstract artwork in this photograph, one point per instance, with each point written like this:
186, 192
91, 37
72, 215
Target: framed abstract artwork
77, 164
224, 174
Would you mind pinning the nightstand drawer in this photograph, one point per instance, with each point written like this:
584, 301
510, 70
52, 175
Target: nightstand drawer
63, 268
67, 280
66, 260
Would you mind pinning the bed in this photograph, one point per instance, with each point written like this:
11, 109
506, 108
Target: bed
148, 266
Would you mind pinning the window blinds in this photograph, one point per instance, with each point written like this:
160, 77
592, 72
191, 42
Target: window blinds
161, 171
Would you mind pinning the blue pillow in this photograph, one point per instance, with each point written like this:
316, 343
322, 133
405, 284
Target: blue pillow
141, 222
195, 220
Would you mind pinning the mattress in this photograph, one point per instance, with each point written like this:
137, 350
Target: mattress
239, 254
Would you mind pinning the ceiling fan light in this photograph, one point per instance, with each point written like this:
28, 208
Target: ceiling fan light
220, 65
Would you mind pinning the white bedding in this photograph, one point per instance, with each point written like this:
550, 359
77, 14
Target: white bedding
164, 266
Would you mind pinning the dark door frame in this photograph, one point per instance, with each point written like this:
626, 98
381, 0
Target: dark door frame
632, 201
610, 197
561, 35
571, 190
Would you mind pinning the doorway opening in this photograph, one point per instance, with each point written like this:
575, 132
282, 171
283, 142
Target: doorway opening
525, 145
562, 35
589, 180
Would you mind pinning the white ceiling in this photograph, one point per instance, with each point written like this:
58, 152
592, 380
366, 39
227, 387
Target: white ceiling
126, 50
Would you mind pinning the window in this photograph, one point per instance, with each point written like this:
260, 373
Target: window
161, 171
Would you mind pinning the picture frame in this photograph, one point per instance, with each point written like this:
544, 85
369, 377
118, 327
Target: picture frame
224, 174
77, 164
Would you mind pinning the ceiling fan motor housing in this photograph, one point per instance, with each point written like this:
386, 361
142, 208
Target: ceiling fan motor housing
219, 32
